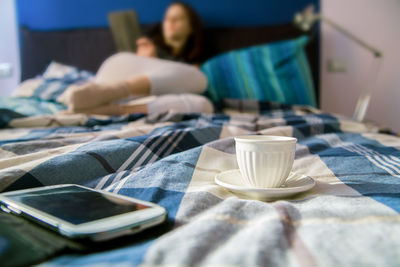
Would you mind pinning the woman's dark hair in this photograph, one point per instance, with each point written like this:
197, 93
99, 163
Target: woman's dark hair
192, 52
194, 45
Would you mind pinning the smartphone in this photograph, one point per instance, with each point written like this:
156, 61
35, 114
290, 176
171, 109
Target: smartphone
76, 211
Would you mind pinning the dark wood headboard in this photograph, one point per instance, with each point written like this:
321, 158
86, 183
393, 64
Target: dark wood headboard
87, 48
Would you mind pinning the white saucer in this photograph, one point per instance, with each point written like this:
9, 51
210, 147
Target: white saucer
295, 183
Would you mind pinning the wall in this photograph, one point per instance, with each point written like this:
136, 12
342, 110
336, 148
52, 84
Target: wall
62, 14
377, 22
9, 51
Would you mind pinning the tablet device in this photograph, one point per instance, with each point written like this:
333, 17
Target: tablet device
125, 29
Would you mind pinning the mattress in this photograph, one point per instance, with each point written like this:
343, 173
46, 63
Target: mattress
349, 218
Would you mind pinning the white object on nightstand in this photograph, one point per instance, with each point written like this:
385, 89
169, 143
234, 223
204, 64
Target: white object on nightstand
5, 70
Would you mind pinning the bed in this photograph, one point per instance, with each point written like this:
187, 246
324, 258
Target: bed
350, 218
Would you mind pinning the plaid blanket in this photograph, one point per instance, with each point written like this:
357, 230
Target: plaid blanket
350, 218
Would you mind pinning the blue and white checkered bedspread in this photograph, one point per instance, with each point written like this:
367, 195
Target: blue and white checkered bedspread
350, 218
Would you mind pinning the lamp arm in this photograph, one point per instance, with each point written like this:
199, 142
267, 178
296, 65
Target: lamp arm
350, 35
305, 20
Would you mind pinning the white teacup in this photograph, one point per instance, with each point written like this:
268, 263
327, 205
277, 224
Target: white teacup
265, 161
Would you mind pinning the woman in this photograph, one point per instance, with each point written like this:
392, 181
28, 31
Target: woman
151, 71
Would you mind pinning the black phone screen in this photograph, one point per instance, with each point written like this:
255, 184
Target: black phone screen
77, 205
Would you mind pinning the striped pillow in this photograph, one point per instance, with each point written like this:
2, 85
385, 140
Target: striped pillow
276, 72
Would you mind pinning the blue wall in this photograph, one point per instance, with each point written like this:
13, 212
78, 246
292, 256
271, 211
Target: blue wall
66, 14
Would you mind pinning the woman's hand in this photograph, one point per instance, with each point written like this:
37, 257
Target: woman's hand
146, 48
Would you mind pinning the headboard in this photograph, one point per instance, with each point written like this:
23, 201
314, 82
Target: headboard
87, 48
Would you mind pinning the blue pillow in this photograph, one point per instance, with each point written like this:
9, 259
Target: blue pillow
276, 72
